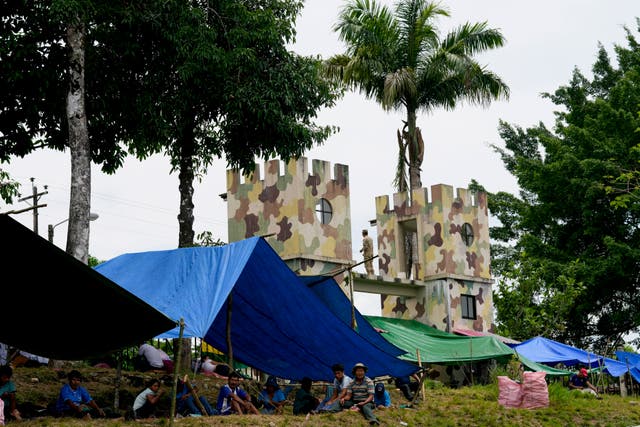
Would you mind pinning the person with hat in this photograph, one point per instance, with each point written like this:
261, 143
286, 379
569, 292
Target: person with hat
272, 397
580, 381
381, 397
359, 395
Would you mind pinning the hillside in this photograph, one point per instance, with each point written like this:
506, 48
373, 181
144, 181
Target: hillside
469, 406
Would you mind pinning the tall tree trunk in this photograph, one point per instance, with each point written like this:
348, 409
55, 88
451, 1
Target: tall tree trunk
185, 217
80, 195
186, 177
415, 150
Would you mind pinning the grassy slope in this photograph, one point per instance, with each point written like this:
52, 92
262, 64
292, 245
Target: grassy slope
469, 406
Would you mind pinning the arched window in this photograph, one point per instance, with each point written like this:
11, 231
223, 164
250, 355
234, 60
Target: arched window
324, 212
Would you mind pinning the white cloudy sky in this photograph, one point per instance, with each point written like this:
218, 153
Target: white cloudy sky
546, 39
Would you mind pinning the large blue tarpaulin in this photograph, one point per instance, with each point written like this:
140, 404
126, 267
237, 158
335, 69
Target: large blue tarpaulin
328, 291
550, 352
277, 324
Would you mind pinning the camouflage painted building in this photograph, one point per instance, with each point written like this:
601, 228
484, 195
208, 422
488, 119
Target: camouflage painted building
433, 254
305, 217
442, 244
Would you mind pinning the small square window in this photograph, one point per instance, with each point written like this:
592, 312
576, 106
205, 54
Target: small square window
468, 303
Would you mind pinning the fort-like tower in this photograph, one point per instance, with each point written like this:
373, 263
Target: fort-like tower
433, 253
442, 246
305, 217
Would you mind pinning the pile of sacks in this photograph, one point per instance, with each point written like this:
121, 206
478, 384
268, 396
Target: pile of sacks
531, 394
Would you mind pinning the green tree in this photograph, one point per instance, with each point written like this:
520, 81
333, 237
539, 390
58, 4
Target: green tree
567, 253
401, 61
224, 84
44, 76
196, 80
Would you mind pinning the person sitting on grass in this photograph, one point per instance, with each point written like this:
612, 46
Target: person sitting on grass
75, 401
272, 397
359, 395
305, 401
580, 381
339, 388
8, 394
381, 397
234, 400
186, 401
146, 402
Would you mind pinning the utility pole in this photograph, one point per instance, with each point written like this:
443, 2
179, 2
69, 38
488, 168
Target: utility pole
35, 196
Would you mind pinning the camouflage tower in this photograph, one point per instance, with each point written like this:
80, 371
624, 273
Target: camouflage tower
305, 217
439, 251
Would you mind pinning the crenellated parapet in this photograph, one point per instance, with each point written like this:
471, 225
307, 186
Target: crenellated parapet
307, 216
452, 233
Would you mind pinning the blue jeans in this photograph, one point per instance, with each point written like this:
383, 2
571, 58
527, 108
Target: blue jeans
189, 405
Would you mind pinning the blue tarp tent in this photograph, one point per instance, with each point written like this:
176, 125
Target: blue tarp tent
629, 362
328, 291
277, 324
550, 352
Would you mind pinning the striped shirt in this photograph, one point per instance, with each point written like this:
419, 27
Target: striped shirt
361, 390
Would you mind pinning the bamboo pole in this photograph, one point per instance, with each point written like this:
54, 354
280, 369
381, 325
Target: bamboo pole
174, 387
423, 375
229, 346
194, 393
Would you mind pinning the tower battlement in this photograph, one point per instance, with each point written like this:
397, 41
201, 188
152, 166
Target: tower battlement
441, 195
451, 233
306, 216
320, 173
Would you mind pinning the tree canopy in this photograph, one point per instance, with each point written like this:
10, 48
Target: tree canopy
399, 59
193, 79
567, 253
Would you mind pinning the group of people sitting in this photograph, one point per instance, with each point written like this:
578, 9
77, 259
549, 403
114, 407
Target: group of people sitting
358, 394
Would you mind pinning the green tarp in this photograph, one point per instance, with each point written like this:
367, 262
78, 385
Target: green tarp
538, 367
436, 346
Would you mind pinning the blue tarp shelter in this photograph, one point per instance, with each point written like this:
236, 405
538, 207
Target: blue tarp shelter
628, 362
328, 291
277, 324
550, 352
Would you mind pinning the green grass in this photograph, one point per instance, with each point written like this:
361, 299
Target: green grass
442, 406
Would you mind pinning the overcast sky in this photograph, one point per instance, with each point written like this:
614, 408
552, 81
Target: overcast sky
138, 206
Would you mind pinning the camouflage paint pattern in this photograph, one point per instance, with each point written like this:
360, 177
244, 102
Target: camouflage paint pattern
283, 207
446, 265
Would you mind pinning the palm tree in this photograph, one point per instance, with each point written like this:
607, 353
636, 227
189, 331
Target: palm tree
401, 61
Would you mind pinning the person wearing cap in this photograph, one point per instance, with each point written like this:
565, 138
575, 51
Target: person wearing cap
359, 395
381, 398
339, 386
272, 397
580, 381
